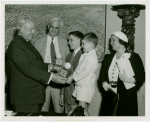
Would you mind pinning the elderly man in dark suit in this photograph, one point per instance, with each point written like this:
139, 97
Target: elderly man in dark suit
28, 77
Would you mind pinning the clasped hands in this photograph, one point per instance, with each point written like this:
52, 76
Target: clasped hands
61, 80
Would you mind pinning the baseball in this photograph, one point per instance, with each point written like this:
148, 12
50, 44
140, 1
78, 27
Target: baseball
67, 65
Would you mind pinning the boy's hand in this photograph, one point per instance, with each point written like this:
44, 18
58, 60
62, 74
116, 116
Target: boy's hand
70, 79
58, 79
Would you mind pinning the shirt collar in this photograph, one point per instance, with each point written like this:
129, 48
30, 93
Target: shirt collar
91, 51
54, 38
23, 37
75, 51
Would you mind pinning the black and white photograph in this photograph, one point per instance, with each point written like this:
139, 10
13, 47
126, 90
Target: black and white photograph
88, 60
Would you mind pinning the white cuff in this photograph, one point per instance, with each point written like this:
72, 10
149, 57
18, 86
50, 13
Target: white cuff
133, 80
104, 82
50, 78
74, 78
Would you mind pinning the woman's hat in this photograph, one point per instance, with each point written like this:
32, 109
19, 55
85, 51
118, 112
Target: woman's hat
121, 36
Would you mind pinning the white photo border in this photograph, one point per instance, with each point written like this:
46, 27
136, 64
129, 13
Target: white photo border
91, 118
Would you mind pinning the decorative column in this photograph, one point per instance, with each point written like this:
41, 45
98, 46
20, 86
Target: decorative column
128, 13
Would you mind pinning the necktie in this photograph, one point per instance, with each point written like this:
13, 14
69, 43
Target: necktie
53, 53
72, 56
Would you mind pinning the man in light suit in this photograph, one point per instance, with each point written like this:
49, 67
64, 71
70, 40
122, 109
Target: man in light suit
49, 52
28, 77
66, 98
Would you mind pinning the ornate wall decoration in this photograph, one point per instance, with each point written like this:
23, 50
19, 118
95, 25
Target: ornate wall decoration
128, 13
84, 18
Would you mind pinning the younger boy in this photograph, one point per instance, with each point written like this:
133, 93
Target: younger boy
84, 75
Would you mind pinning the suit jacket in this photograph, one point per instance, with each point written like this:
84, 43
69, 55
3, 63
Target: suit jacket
68, 89
40, 45
28, 78
85, 73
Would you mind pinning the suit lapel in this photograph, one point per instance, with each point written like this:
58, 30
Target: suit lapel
43, 44
61, 46
75, 60
30, 47
110, 58
77, 56
69, 57
36, 53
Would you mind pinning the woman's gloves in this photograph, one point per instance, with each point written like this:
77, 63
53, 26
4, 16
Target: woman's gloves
106, 86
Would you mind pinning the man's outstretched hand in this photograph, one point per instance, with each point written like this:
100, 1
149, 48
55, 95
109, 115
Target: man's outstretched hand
56, 78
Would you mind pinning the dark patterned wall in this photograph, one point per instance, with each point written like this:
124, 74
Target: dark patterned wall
85, 18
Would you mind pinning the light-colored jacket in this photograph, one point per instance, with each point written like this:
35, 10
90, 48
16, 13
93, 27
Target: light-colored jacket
40, 45
84, 74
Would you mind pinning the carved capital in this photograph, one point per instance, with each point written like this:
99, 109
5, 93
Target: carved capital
128, 13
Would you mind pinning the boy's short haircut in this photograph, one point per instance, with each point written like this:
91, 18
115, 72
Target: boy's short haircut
91, 37
77, 34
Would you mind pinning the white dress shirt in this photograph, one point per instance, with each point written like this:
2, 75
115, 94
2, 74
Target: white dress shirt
48, 53
75, 51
